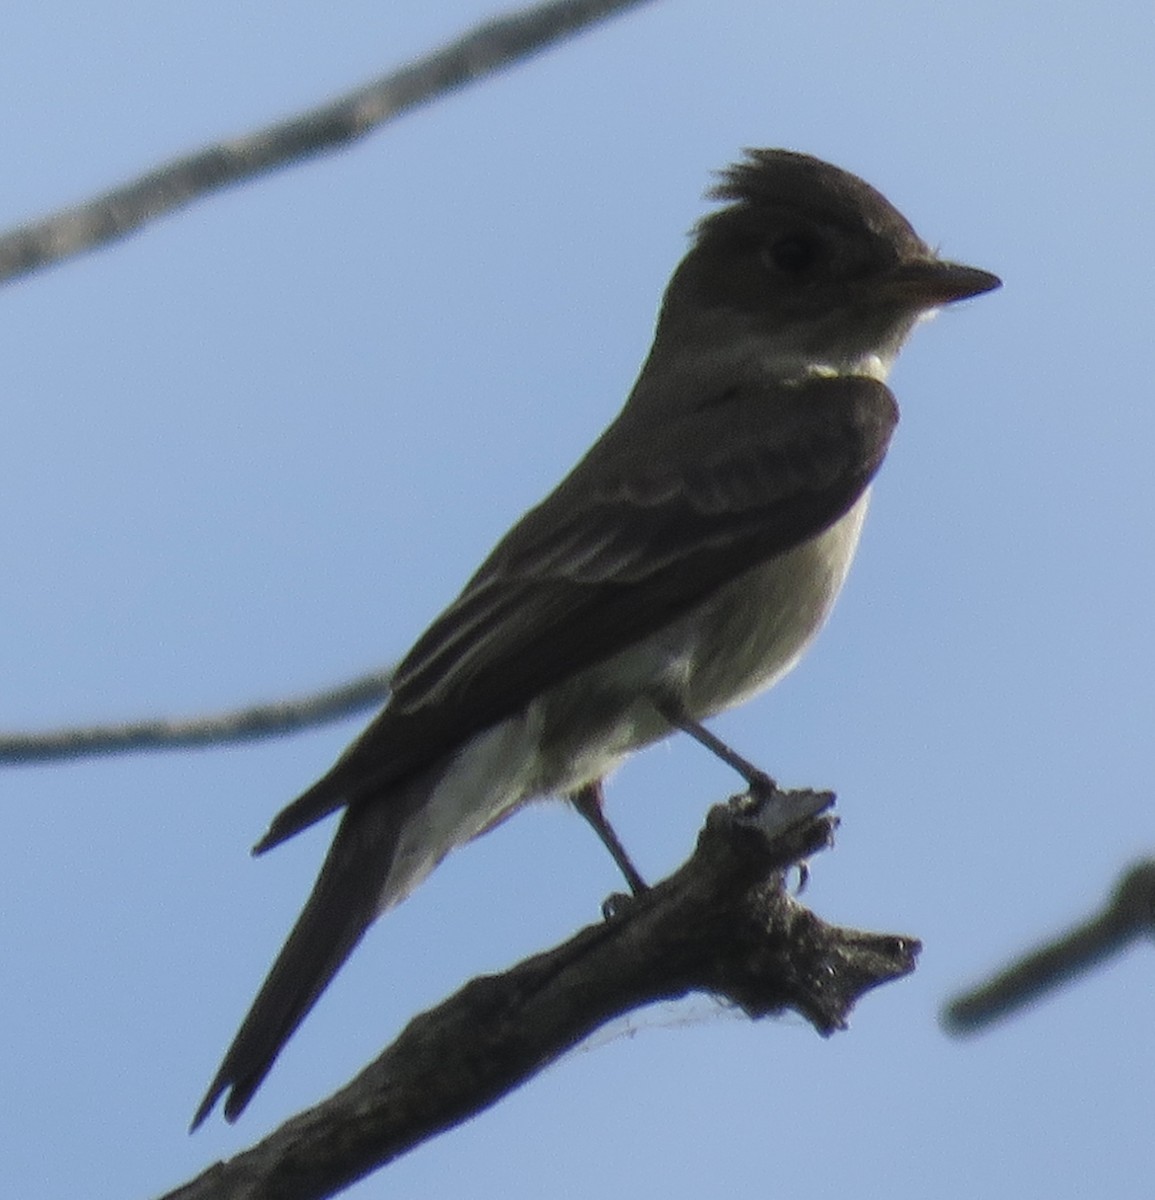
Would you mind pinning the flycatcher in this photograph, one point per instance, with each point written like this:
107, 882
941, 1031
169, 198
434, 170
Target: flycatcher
682, 566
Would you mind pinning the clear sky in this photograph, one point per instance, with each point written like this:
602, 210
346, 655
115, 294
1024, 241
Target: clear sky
252, 452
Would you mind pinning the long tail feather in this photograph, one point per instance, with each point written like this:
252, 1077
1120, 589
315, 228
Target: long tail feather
348, 895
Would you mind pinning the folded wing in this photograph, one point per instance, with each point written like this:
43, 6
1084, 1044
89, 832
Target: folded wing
647, 525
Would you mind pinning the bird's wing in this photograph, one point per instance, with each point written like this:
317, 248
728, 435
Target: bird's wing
647, 525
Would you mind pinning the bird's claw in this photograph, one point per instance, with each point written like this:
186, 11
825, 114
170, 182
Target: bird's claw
803, 869
617, 905
760, 790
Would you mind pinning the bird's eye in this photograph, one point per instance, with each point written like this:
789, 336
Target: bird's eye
793, 253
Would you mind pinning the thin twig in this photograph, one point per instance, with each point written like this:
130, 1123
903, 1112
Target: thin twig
1128, 915
242, 725
485, 50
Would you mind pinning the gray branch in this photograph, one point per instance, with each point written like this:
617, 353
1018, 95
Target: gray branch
1128, 915
489, 48
221, 729
724, 925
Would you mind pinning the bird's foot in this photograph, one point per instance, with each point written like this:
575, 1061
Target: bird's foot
618, 905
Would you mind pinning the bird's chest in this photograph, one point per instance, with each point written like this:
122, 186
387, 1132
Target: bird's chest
752, 632
734, 644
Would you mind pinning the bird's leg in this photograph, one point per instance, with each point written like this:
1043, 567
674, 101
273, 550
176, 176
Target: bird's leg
590, 802
760, 784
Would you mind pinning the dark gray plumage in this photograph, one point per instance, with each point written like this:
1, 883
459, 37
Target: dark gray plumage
682, 566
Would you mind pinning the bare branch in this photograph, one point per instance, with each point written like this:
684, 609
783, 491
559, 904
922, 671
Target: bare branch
723, 924
243, 725
1129, 914
489, 48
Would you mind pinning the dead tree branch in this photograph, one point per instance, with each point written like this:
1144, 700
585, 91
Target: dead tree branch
724, 924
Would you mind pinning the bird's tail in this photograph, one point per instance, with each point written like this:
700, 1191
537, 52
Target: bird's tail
354, 886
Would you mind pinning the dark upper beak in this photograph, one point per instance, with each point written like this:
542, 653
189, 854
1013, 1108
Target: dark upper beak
929, 282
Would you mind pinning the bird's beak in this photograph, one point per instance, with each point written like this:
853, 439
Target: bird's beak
929, 282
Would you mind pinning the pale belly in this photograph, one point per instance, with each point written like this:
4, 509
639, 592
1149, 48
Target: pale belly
738, 644
761, 625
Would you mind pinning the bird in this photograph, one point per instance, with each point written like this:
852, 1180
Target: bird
683, 566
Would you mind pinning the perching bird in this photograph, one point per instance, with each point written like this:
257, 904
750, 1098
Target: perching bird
682, 566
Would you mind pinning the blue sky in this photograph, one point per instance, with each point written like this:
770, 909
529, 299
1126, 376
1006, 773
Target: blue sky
252, 452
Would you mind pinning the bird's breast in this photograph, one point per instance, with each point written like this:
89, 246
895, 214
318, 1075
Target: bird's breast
754, 630
733, 645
